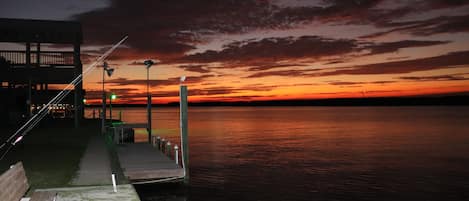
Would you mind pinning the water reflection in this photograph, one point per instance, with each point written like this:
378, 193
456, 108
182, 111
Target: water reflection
320, 153
162, 192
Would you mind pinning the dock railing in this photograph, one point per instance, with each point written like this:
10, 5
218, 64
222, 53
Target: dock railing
165, 146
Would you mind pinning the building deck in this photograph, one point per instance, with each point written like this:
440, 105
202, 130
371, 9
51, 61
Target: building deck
143, 163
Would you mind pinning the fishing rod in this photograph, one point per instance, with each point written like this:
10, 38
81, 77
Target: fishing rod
34, 120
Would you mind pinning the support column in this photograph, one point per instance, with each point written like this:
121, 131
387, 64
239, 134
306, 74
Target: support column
184, 134
28, 66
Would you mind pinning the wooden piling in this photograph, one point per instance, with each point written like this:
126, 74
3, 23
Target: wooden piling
184, 135
158, 142
176, 154
168, 149
153, 141
163, 145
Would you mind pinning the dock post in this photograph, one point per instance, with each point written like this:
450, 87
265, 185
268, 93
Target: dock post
158, 142
120, 115
153, 141
113, 176
184, 136
168, 149
176, 154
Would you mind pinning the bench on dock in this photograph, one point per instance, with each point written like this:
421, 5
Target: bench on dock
14, 185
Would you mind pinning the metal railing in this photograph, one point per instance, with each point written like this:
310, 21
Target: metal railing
46, 58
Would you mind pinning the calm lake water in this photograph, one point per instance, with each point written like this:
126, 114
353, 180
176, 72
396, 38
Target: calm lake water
318, 153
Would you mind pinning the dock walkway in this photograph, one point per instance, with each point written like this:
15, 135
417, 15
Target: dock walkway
142, 163
94, 165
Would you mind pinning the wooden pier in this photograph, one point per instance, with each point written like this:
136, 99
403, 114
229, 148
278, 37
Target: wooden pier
143, 163
150, 162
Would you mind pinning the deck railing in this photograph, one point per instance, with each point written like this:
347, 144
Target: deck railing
46, 58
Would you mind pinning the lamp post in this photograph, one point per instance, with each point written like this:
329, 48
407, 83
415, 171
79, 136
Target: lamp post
112, 97
148, 64
108, 71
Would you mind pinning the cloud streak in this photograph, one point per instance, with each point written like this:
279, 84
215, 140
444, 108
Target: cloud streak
450, 60
156, 83
451, 77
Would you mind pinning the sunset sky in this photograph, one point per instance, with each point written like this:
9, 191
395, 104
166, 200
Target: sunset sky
241, 50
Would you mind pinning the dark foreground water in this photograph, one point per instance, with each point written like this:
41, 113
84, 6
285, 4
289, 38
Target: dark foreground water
319, 153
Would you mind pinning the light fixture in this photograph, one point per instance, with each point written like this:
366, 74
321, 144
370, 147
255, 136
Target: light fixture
109, 71
148, 63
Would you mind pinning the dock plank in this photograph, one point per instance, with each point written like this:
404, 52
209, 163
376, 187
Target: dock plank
142, 162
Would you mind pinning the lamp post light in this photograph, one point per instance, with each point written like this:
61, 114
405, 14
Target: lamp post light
108, 70
148, 64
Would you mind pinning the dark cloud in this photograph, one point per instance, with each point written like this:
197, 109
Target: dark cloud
212, 91
287, 73
167, 29
340, 83
276, 49
198, 68
258, 87
437, 25
388, 47
335, 61
397, 58
268, 66
136, 63
437, 62
344, 83
452, 24
440, 4
451, 77
271, 53
167, 82
453, 59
